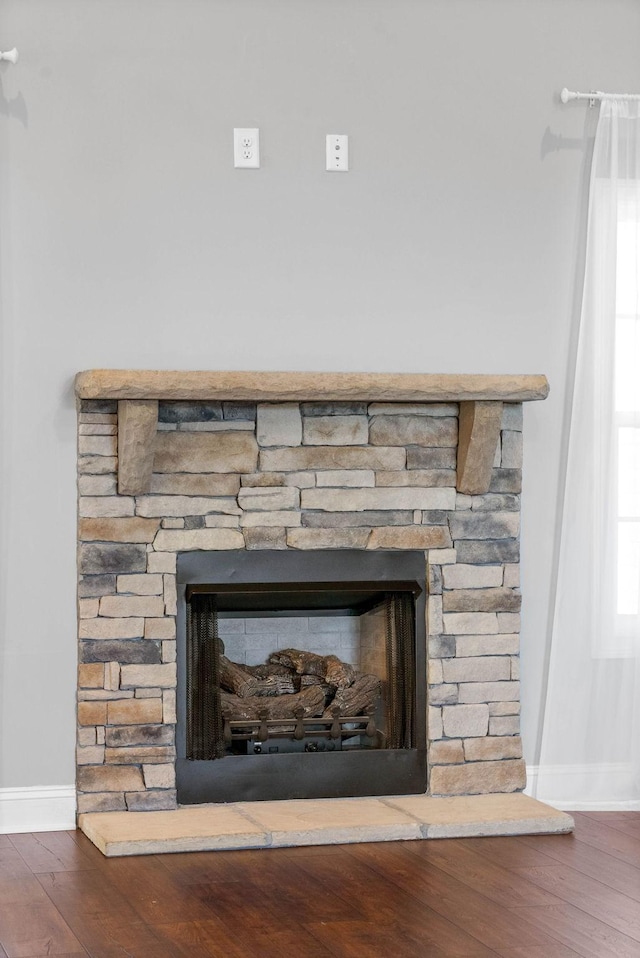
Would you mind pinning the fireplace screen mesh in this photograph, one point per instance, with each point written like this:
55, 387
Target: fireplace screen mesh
301, 699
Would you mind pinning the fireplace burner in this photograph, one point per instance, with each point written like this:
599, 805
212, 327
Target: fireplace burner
303, 724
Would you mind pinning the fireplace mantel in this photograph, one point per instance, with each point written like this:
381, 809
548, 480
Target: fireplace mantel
139, 391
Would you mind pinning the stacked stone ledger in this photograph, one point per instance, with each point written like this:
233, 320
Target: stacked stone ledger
309, 475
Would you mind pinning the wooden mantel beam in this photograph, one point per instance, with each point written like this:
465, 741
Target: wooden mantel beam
206, 386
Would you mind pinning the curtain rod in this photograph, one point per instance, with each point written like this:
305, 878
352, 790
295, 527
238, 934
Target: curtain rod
567, 95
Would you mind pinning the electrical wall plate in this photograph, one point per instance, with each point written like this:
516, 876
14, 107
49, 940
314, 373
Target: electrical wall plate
338, 152
246, 148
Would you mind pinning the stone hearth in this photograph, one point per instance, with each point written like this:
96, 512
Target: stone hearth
175, 462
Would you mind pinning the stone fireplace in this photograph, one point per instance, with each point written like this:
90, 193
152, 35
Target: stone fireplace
176, 465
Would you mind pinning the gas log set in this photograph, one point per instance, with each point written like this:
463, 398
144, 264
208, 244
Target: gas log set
300, 696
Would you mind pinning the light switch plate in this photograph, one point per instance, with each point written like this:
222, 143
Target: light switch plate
338, 152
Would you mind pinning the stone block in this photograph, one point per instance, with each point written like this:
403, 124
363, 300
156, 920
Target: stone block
189, 540
443, 556
170, 595
239, 410
492, 748
504, 708
97, 446
446, 753
431, 457
172, 523
265, 537
269, 498
212, 522
150, 506
511, 449
463, 576
87, 736
140, 734
186, 411
369, 517
478, 778
159, 676
434, 723
442, 646
160, 628
434, 672
317, 458
410, 537
336, 431
92, 713
155, 801
121, 606
278, 424
100, 733
169, 706
488, 551
434, 574
111, 628
334, 408
512, 416
96, 485
476, 692
134, 711
506, 480
129, 652
508, 622
495, 502
483, 668
482, 600
222, 452
349, 478
87, 608
97, 465
470, 623
101, 802
96, 585
106, 778
161, 562
169, 651
515, 667
107, 557
434, 615
470, 645
413, 409
97, 429
209, 485
417, 477
90, 676
91, 755
485, 525
327, 538
86, 416
259, 479
413, 431
290, 518
443, 695
137, 755
465, 721
140, 584
131, 530
225, 426
512, 576
159, 776
111, 674
504, 725
350, 500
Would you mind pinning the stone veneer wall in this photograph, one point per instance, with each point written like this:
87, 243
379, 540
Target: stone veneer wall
293, 476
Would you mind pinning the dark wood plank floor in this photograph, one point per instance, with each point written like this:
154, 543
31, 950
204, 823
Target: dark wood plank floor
537, 897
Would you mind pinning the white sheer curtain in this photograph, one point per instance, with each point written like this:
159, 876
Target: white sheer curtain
590, 755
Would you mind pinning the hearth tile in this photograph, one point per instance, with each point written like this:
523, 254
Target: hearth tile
191, 828
482, 815
331, 821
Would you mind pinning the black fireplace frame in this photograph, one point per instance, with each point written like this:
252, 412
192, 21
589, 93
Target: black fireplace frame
303, 775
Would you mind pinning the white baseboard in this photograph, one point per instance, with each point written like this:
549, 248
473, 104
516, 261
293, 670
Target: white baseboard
47, 808
584, 788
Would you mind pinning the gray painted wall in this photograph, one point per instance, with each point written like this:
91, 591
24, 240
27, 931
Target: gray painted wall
127, 239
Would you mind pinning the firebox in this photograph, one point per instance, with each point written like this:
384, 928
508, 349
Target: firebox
300, 675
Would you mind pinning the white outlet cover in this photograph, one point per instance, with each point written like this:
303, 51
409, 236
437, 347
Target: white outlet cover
246, 148
337, 152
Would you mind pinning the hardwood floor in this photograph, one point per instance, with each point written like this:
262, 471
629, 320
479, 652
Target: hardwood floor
559, 896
